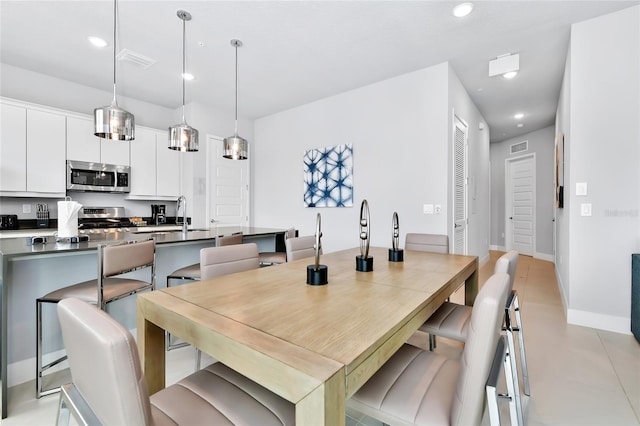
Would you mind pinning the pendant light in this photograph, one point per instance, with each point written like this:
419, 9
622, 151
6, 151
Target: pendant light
111, 121
183, 137
235, 147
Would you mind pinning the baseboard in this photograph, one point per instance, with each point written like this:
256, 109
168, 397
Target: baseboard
544, 256
497, 248
484, 260
600, 321
25, 370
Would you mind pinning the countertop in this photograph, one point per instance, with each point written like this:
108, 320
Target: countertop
161, 234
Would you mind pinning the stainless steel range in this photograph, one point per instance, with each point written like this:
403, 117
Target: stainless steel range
104, 223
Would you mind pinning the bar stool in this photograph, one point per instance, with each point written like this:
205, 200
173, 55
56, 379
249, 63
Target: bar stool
192, 273
300, 247
268, 258
113, 260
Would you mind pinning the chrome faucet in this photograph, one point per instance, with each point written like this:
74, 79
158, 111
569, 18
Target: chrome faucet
182, 201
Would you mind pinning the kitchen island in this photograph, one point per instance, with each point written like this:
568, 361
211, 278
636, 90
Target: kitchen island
30, 271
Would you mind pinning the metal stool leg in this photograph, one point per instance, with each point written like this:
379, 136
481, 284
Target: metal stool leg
514, 369
170, 345
523, 357
432, 342
40, 369
514, 414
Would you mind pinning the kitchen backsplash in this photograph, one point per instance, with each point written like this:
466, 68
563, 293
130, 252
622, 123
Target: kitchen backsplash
9, 205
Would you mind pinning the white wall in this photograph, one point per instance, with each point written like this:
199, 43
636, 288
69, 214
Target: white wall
604, 150
399, 129
542, 143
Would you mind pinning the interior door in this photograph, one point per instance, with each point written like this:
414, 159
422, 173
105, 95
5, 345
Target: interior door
460, 132
227, 187
520, 212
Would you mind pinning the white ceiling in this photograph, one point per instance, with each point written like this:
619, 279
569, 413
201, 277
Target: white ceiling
296, 52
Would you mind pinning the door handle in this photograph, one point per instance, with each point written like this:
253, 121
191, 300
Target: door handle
511, 217
457, 225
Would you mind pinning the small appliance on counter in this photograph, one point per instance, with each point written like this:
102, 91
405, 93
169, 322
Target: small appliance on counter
8, 221
159, 214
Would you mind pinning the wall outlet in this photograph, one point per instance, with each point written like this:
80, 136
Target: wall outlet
438, 208
26, 208
427, 208
585, 209
581, 188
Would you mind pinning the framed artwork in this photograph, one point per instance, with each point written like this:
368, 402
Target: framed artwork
328, 176
559, 175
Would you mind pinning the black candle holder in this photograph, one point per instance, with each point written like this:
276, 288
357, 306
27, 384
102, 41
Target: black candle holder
396, 255
364, 264
318, 276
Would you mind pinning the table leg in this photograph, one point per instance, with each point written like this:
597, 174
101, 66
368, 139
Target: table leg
471, 286
151, 342
325, 405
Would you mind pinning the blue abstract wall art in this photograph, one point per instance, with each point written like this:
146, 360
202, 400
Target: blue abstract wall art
328, 176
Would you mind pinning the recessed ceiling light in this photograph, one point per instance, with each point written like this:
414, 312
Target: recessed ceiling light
188, 76
462, 10
97, 41
518, 116
519, 125
509, 75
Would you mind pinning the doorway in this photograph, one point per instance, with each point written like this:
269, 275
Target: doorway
227, 187
520, 204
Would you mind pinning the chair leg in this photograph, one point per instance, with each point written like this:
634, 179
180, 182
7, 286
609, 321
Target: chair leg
168, 344
40, 369
63, 412
523, 357
514, 370
514, 415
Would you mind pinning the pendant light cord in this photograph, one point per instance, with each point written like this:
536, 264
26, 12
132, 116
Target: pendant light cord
115, 15
236, 123
184, 70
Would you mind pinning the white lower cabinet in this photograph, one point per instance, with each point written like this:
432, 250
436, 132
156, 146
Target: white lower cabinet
155, 169
32, 152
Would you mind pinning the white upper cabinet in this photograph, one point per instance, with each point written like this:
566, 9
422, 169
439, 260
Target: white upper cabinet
46, 167
82, 145
13, 148
32, 152
155, 169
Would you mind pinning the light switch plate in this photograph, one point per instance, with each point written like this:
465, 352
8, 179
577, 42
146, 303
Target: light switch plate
585, 209
438, 208
26, 208
581, 188
427, 208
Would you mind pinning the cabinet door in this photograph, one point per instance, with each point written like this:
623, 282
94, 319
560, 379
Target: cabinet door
82, 145
46, 153
13, 148
168, 167
143, 163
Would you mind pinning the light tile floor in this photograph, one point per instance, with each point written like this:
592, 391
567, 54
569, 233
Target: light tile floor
578, 375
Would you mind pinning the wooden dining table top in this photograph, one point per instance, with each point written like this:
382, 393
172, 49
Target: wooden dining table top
269, 318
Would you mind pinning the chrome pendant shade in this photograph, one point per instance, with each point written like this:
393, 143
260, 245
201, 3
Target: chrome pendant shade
236, 147
111, 121
183, 137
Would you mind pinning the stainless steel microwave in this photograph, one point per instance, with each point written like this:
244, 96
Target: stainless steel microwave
97, 177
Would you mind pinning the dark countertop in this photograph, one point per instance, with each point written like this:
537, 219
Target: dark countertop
19, 247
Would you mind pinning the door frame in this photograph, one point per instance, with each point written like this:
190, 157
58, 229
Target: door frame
508, 228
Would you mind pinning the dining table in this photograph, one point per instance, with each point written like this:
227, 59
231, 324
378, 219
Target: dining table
314, 345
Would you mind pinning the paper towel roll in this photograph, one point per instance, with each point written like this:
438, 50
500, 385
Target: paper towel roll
68, 218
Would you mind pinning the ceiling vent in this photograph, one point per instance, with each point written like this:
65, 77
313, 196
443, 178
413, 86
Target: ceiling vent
135, 58
519, 147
